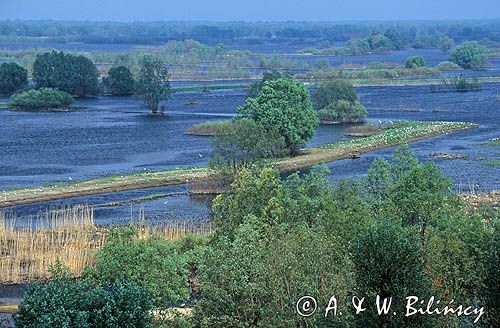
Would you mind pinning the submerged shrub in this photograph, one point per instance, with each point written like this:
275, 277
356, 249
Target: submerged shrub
40, 99
12, 77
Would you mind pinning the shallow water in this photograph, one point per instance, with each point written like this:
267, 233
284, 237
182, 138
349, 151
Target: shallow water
113, 135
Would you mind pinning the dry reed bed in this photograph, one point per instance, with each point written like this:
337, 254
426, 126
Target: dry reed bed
29, 248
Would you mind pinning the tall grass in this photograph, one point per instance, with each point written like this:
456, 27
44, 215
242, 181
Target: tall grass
28, 248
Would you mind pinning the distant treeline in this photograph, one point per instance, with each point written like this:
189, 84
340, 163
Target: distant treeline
415, 32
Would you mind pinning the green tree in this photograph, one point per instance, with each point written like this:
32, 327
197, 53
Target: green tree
388, 264
283, 107
415, 62
358, 46
332, 91
397, 38
120, 81
470, 55
242, 143
12, 77
76, 75
446, 44
380, 42
255, 87
153, 85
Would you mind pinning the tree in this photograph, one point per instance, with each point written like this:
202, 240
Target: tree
336, 102
153, 84
76, 75
414, 62
379, 42
283, 106
255, 87
120, 81
388, 264
470, 55
332, 91
446, 44
12, 77
241, 143
359, 46
397, 38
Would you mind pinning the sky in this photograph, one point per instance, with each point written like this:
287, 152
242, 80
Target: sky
248, 10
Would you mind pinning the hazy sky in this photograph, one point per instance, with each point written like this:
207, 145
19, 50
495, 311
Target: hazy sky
249, 10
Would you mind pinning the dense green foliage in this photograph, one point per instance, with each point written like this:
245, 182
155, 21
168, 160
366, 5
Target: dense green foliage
414, 61
153, 85
388, 264
65, 302
470, 55
255, 87
283, 107
153, 263
41, 99
229, 32
76, 75
242, 143
12, 77
399, 230
342, 111
335, 101
332, 91
119, 81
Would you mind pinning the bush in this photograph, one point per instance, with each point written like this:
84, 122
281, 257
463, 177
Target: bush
41, 99
470, 55
76, 75
283, 107
242, 143
68, 302
342, 111
414, 62
332, 91
152, 263
388, 264
448, 66
119, 81
255, 87
12, 77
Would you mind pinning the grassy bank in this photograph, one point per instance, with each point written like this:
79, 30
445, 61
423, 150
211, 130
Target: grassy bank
409, 132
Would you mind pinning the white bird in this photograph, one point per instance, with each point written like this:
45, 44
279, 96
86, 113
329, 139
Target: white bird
200, 155
70, 179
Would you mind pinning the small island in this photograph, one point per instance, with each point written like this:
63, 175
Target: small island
43, 99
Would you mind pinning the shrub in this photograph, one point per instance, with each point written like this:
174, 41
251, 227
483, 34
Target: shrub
242, 143
119, 81
342, 111
414, 62
255, 87
152, 263
332, 91
255, 277
388, 263
12, 77
283, 107
470, 55
448, 66
41, 99
69, 302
